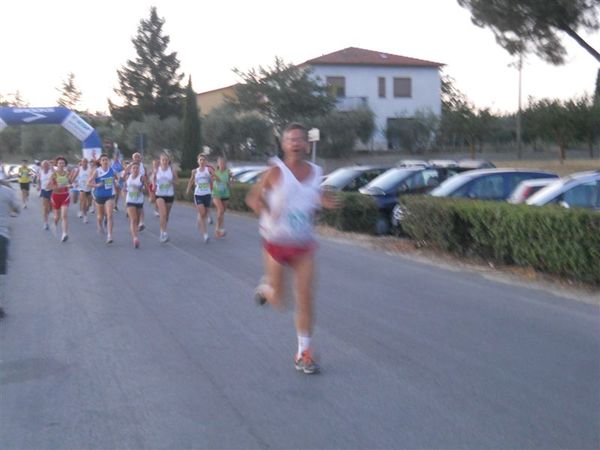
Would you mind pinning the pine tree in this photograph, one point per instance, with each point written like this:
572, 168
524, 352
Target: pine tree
150, 84
537, 26
69, 94
192, 138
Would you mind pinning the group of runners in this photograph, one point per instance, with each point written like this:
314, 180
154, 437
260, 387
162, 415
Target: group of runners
286, 199
97, 184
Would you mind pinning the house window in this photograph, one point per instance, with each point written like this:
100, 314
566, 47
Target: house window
337, 86
402, 87
381, 87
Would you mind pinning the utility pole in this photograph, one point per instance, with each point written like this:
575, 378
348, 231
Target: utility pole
519, 139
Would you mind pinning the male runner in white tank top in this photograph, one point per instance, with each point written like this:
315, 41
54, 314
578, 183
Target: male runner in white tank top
287, 198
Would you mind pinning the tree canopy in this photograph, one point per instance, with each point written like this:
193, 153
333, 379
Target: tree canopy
151, 83
69, 94
282, 93
524, 26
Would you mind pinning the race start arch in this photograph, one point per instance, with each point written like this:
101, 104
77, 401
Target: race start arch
58, 115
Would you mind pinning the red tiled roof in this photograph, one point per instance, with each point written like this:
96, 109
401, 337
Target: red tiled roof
362, 57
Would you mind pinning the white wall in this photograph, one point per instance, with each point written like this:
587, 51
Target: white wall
362, 81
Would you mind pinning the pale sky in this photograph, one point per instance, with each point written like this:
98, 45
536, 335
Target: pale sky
42, 41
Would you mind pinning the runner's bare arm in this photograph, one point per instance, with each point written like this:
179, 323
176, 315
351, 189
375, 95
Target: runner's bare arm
255, 198
190, 182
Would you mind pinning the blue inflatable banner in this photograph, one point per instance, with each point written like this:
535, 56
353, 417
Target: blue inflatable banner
59, 115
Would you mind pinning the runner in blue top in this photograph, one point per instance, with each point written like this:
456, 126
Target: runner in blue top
117, 167
103, 180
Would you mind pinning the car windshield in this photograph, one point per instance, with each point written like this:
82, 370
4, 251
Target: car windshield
547, 192
340, 177
247, 176
389, 180
450, 185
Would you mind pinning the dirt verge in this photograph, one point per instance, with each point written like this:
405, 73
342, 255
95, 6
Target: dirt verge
524, 276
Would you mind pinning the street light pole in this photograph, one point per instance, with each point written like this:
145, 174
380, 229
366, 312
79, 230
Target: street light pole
519, 140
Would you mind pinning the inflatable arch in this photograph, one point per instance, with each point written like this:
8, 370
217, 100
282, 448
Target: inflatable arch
58, 115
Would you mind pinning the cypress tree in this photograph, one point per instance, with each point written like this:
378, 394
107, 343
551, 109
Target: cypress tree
192, 138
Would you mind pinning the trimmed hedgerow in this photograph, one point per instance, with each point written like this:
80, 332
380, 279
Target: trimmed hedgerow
551, 239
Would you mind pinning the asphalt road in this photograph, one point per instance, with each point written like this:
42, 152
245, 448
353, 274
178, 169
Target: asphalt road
108, 347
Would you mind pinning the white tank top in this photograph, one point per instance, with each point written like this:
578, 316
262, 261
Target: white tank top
134, 190
45, 178
202, 180
292, 205
164, 182
82, 179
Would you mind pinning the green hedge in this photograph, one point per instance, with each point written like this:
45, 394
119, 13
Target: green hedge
555, 240
357, 212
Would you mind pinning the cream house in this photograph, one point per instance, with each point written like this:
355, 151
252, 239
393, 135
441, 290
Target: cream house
394, 87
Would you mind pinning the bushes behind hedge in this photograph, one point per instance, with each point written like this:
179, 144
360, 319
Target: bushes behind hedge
551, 239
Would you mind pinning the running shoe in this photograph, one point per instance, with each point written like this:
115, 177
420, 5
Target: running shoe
46, 227
210, 221
259, 297
156, 213
64, 237
206, 239
116, 208
163, 237
141, 227
136, 243
306, 363
109, 239
85, 219
79, 214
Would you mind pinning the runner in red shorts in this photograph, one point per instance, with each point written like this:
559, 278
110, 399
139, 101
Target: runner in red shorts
287, 198
60, 184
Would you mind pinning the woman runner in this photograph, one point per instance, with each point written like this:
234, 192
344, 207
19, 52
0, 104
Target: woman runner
80, 177
102, 179
45, 191
201, 177
134, 185
220, 193
60, 184
165, 179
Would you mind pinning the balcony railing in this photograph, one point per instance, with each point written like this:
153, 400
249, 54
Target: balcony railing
351, 103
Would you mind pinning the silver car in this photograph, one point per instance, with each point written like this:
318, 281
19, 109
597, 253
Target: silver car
527, 188
578, 190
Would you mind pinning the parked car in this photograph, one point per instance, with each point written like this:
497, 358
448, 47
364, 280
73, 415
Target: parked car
482, 184
400, 180
578, 190
412, 163
487, 184
238, 171
252, 176
474, 164
352, 178
527, 188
